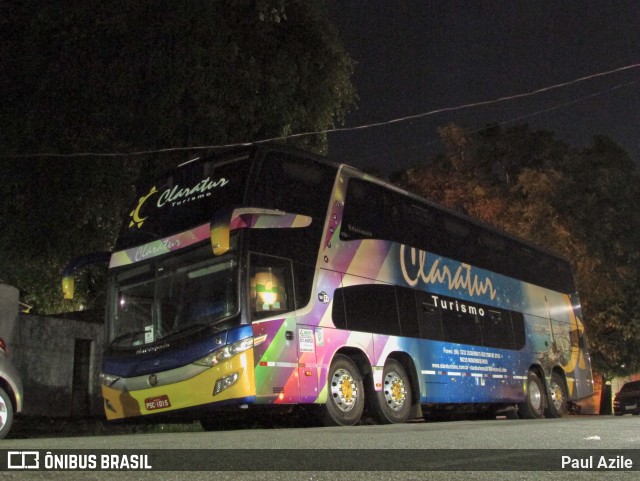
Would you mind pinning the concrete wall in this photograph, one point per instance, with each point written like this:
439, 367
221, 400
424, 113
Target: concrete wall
59, 361
8, 311
58, 358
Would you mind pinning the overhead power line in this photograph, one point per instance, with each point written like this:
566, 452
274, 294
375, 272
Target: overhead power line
358, 127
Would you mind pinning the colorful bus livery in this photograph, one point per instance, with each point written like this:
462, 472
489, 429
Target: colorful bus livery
268, 277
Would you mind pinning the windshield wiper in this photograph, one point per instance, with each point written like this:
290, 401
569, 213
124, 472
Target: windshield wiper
128, 335
181, 331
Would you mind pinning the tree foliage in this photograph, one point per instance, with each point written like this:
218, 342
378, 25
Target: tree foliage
582, 203
154, 74
117, 76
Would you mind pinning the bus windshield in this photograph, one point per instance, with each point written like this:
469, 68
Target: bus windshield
169, 297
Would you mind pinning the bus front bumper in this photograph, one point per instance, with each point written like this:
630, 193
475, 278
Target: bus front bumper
181, 388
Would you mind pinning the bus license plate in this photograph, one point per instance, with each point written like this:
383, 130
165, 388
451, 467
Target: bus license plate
159, 402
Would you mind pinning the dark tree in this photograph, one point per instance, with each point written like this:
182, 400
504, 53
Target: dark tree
584, 204
121, 77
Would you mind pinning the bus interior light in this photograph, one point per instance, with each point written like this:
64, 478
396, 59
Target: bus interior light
268, 291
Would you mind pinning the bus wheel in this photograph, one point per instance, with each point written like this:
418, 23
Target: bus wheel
393, 401
345, 393
557, 402
533, 407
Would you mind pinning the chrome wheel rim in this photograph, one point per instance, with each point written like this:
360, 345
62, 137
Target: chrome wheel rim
557, 396
395, 393
3, 413
344, 390
535, 395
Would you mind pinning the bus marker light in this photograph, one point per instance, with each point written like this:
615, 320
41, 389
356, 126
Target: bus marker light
259, 340
109, 406
225, 383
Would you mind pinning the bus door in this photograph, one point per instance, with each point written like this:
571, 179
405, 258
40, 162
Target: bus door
272, 309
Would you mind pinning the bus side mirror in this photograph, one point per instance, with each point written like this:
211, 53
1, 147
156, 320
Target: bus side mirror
68, 287
226, 220
68, 274
221, 232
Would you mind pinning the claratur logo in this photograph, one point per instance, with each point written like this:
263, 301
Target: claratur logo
175, 196
135, 213
416, 267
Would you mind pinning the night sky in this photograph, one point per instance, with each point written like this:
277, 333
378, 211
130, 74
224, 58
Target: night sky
418, 56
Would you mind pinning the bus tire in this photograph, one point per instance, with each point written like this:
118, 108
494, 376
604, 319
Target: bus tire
533, 407
345, 393
393, 402
558, 397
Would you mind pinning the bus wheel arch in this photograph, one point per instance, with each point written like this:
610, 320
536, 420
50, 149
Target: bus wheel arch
395, 402
557, 402
345, 389
534, 404
6, 413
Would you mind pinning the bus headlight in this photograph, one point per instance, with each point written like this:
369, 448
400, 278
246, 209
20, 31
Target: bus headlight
108, 379
227, 352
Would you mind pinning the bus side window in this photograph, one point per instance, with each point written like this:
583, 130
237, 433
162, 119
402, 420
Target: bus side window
519, 332
497, 330
429, 317
338, 312
368, 308
269, 286
461, 328
409, 324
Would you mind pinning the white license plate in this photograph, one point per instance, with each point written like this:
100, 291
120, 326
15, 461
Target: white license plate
629, 407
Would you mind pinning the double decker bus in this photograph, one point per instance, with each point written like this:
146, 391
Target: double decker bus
271, 277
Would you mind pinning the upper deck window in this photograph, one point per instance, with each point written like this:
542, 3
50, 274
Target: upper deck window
294, 184
374, 211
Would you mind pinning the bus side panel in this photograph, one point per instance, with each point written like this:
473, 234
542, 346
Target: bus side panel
579, 365
459, 373
556, 338
276, 363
